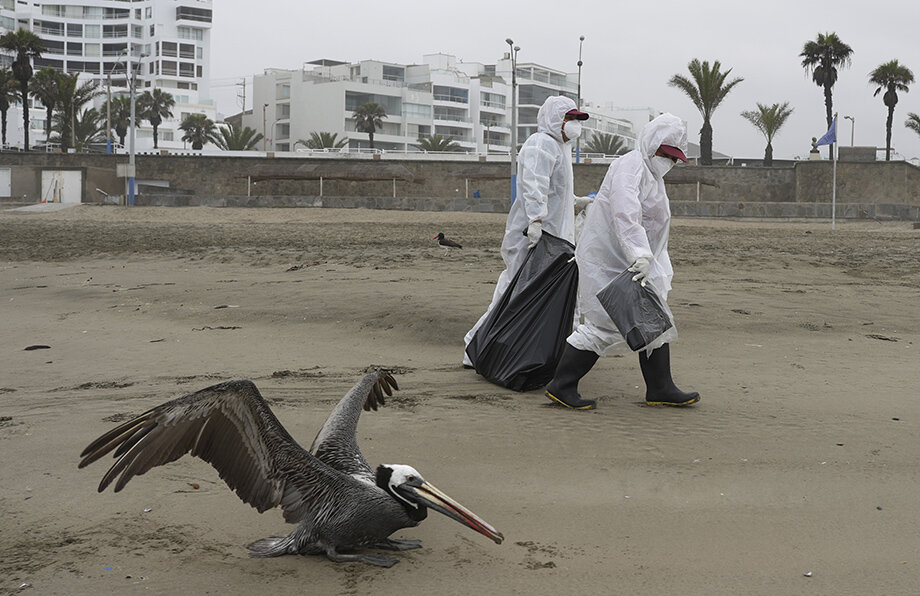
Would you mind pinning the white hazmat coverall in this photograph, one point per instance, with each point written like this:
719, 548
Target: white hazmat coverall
629, 218
544, 192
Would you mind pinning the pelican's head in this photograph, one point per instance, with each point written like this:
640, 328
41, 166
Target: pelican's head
407, 486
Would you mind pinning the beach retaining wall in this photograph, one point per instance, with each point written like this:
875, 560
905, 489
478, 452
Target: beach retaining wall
884, 190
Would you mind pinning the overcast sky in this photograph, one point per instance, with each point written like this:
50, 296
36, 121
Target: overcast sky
631, 50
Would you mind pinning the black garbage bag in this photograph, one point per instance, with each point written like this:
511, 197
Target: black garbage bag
637, 311
519, 345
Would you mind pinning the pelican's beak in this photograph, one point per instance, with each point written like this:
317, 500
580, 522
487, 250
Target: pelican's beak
430, 496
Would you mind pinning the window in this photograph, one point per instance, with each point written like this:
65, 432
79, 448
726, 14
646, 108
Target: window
50, 27
74, 49
169, 48
188, 13
53, 47
187, 50
92, 50
442, 93
74, 30
189, 33
284, 110
153, 29
199, 53
417, 110
92, 31
198, 71
492, 100
115, 30
148, 12
113, 49
186, 69
169, 68
137, 31
391, 104
394, 73
282, 91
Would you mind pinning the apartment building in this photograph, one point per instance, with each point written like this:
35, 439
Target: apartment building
468, 101
166, 41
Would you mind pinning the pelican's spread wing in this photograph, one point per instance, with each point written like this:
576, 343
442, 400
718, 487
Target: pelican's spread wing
231, 427
336, 443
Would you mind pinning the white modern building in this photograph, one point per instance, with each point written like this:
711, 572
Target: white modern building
468, 101
168, 42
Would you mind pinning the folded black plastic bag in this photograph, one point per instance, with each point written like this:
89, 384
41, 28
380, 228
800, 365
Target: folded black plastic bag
520, 343
637, 311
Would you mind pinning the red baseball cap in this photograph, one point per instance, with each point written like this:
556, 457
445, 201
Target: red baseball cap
673, 152
578, 115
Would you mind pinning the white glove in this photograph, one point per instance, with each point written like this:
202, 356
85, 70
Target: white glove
582, 202
534, 231
641, 268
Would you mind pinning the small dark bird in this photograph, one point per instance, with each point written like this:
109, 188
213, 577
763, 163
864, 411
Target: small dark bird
447, 244
339, 503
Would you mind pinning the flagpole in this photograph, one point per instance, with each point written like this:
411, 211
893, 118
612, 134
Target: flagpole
834, 191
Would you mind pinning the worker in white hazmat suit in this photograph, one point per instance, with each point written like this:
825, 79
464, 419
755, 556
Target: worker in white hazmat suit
545, 198
626, 227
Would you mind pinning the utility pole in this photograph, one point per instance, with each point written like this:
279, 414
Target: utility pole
581, 40
108, 113
514, 50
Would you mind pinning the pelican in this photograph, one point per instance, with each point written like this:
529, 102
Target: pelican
339, 503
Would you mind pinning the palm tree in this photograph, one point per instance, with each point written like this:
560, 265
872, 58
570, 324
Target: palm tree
199, 130
7, 97
913, 122
821, 58
121, 116
322, 140
155, 107
26, 45
368, 118
232, 138
44, 87
706, 90
769, 120
892, 77
607, 144
71, 97
88, 129
438, 143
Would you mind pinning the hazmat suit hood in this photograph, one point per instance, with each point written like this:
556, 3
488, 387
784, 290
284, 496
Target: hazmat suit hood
552, 114
666, 129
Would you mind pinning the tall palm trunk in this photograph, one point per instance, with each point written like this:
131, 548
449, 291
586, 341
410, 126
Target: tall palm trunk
370, 136
24, 91
768, 155
888, 133
828, 105
706, 143
3, 126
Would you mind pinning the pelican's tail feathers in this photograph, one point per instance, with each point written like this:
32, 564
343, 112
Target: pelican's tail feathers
273, 546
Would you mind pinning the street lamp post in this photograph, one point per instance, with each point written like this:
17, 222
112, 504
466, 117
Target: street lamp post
581, 41
852, 120
514, 50
264, 138
132, 83
108, 114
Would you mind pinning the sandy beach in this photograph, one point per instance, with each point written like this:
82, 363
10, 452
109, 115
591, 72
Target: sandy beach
796, 474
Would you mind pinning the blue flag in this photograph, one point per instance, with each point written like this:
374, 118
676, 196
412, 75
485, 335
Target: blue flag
830, 137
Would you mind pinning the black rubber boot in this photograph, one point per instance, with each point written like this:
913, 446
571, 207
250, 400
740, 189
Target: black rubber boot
660, 387
563, 389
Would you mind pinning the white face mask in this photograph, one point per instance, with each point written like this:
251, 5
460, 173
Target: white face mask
660, 165
572, 130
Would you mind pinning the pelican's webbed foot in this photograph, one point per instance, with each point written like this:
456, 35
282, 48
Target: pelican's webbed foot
378, 560
399, 544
